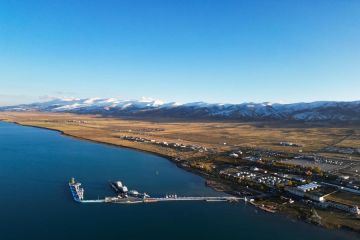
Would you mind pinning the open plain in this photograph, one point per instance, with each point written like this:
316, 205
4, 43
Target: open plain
220, 136
227, 152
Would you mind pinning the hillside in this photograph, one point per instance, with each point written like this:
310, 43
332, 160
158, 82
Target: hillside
149, 108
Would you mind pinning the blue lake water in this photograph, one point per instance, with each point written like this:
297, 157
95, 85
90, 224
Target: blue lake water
36, 165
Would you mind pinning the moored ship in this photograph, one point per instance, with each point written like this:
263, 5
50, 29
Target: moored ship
76, 190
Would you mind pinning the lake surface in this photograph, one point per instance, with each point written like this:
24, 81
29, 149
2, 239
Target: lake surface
36, 165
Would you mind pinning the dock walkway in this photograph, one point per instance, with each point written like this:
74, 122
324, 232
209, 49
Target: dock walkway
78, 196
163, 199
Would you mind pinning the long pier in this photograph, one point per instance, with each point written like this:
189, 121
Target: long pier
208, 199
93, 201
78, 196
162, 199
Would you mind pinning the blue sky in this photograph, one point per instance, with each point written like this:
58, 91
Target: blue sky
186, 50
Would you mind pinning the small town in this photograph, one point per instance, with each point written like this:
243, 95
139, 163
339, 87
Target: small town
275, 181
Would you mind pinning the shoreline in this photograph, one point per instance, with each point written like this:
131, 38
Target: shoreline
91, 140
203, 175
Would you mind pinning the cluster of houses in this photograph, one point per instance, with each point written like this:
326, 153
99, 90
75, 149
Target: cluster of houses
272, 181
135, 139
256, 175
144, 130
257, 154
330, 161
342, 150
184, 147
71, 121
269, 153
290, 144
238, 154
319, 159
76, 121
178, 146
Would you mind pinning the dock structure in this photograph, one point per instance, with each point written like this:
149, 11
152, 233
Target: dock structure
78, 196
207, 199
93, 201
164, 199
161, 199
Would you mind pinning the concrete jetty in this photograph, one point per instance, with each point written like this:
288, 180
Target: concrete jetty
78, 196
161, 199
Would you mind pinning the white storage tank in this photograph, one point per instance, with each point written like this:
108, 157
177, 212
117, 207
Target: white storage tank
134, 192
119, 184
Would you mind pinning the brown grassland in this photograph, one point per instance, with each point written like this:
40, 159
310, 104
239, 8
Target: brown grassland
221, 136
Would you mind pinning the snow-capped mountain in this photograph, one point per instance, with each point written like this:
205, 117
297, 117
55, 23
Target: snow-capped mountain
314, 111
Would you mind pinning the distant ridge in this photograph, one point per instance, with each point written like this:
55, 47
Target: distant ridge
150, 108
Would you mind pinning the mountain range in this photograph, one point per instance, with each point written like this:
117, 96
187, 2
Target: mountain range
150, 108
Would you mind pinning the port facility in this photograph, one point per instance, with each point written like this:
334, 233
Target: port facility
132, 197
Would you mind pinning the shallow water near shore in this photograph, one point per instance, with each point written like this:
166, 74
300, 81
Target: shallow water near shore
36, 164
